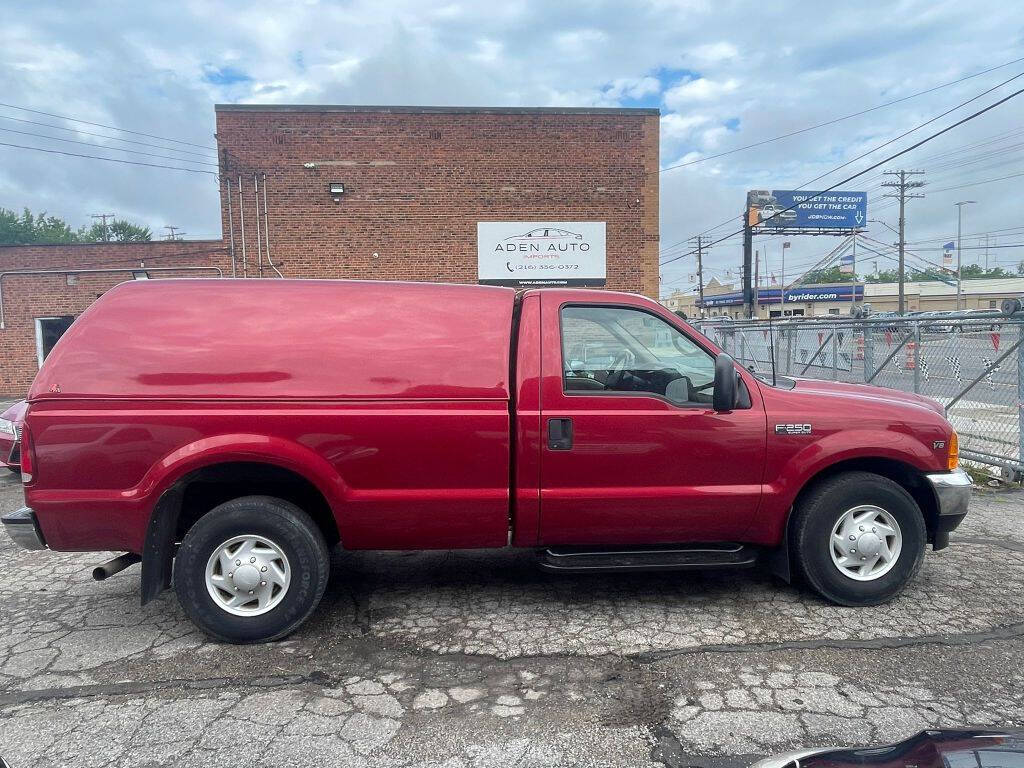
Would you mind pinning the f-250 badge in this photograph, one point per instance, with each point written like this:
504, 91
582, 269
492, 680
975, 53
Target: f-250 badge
792, 429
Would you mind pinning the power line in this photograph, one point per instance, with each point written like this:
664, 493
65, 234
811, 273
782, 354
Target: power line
1015, 230
915, 128
976, 183
108, 159
917, 256
880, 163
990, 139
987, 247
113, 149
123, 130
104, 136
838, 119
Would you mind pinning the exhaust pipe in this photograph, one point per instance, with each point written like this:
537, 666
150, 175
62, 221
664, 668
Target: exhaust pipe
118, 564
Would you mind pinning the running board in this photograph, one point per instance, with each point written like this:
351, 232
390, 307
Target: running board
670, 558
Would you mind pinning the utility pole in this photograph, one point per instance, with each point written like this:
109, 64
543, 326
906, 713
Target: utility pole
853, 288
700, 271
782, 285
959, 262
757, 276
748, 253
173, 234
901, 193
986, 253
104, 216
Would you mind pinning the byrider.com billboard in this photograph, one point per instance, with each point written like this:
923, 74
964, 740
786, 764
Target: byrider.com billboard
767, 210
514, 253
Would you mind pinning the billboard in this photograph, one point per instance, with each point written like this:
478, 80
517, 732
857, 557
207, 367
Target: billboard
797, 295
768, 210
520, 253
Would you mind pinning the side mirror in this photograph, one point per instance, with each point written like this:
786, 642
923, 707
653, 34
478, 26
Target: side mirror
678, 390
726, 383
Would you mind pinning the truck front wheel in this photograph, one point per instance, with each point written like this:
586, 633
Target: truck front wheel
251, 570
858, 538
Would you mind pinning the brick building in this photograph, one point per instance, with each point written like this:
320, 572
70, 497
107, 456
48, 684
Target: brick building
418, 180
420, 184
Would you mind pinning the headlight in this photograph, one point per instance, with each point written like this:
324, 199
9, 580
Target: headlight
7, 427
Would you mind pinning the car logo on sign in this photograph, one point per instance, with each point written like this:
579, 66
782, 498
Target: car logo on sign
792, 429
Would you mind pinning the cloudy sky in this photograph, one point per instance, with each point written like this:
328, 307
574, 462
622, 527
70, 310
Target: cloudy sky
724, 74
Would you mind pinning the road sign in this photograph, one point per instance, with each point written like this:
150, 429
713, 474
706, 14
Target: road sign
799, 209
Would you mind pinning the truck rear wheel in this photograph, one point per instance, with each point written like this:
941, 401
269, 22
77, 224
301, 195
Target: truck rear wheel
858, 539
251, 570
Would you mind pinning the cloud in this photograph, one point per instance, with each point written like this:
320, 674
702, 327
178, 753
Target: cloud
580, 42
699, 89
632, 87
676, 126
224, 76
713, 53
724, 78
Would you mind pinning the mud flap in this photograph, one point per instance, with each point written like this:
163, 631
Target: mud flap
777, 559
158, 552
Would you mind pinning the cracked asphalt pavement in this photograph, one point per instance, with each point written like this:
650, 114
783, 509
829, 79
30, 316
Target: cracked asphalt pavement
479, 659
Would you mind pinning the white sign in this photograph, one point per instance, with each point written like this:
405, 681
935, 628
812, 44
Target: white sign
515, 253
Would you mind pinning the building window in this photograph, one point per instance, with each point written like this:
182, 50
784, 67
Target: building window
833, 311
991, 304
48, 330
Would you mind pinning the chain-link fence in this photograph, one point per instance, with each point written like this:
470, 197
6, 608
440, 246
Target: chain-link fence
973, 366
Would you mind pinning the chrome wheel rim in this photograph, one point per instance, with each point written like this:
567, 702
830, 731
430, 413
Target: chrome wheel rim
248, 575
866, 543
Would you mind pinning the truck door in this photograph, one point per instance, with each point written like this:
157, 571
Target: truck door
631, 451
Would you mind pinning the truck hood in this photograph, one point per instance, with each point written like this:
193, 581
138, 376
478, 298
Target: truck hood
842, 389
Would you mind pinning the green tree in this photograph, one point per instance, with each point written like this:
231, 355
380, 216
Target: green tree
39, 229
117, 231
829, 275
976, 270
28, 229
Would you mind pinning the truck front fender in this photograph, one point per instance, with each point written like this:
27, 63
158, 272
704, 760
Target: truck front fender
849, 445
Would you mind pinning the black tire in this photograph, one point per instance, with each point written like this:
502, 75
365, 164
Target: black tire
811, 537
279, 521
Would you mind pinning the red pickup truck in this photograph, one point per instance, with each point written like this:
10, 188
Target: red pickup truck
226, 433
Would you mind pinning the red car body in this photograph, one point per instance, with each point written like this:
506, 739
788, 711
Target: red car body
418, 413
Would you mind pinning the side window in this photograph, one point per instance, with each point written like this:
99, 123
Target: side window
616, 349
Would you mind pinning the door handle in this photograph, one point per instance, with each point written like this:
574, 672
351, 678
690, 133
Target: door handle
560, 434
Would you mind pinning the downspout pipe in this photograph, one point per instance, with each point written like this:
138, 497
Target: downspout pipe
231, 230
241, 225
90, 271
256, 202
266, 227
